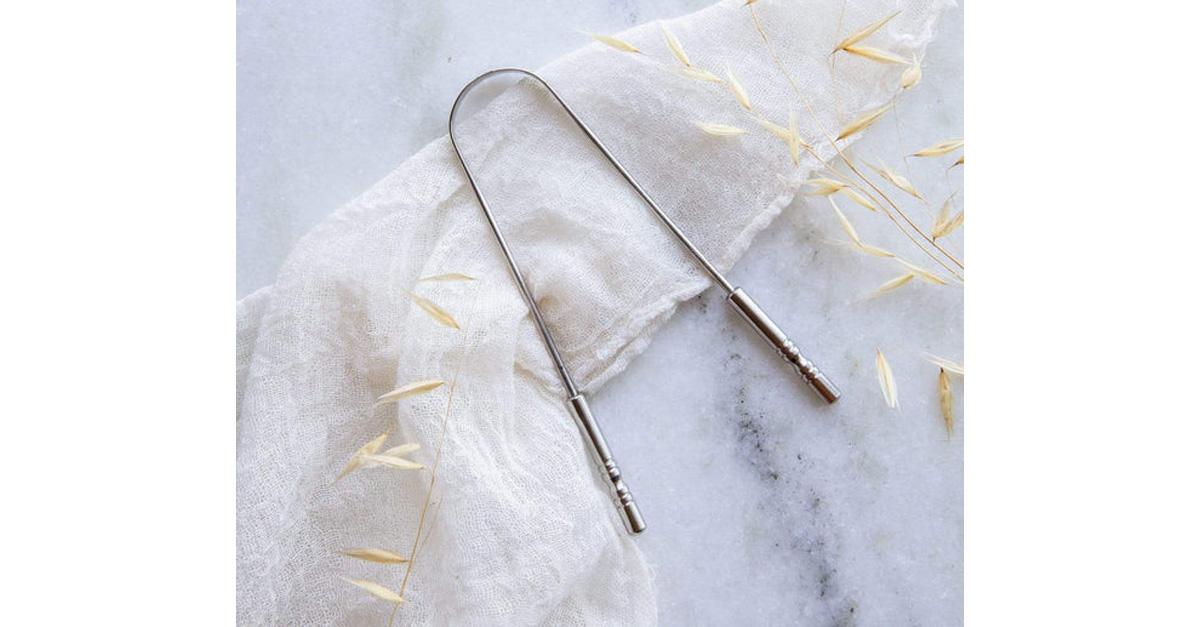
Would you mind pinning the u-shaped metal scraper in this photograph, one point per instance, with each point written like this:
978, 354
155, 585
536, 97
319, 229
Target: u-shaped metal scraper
735, 295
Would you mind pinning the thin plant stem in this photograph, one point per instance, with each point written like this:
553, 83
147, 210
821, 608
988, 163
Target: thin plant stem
433, 471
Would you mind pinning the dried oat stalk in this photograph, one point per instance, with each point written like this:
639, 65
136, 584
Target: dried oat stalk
675, 46
379, 556
435, 312
720, 130
863, 122
701, 75
946, 400
449, 276
899, 181
887, 383
412, 389
377, 590
911, 75
739, 92
875, 54
613, 42
863, 33
945, 224
356, 460
892, 285
939, 149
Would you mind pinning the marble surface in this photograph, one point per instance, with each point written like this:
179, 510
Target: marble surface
765, 507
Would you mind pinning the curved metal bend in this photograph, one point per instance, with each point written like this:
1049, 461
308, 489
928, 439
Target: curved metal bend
537, 315
736, 297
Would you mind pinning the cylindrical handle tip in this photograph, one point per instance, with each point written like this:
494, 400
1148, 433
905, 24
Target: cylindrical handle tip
787, 349
634, 523
825, 388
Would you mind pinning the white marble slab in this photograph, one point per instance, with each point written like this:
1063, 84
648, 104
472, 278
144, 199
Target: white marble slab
765, 507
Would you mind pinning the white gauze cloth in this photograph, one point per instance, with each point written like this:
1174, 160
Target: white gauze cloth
522, 529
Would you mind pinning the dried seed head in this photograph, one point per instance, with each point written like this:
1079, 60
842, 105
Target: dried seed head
377, 590
911, 75
845, 222
779, 131
862, 122
720, 130
897, 180
701, 75
450, 276
863, 33
887, 383
850, 193
947, 401
392, 462
738, 91
412, 389
892, 285
356, 460
435, 312
403, 449
922, 273
824, 187
875, 54
378, 556
939, 149
675, 46
853, 235
944, 225
793, 138
619, 44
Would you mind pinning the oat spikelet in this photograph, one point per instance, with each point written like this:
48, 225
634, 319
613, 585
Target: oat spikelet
779, 131
824, 187
911, 75
892, 285
944, 224
675, 46
720, 130
403, 449
862, 122
849, 229
849, 192
875, 54
619, 44
939, 149
897, 180
701, 75
412, 389
845, 222
945, 364
947, 401
959, 162
377, 590
863, 33
449, 276
378, 556
739, 92
356, 460
793, 138
435, 312
922, 273
887, 383
392, 462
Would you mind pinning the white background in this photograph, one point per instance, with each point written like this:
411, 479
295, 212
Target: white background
118, 255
